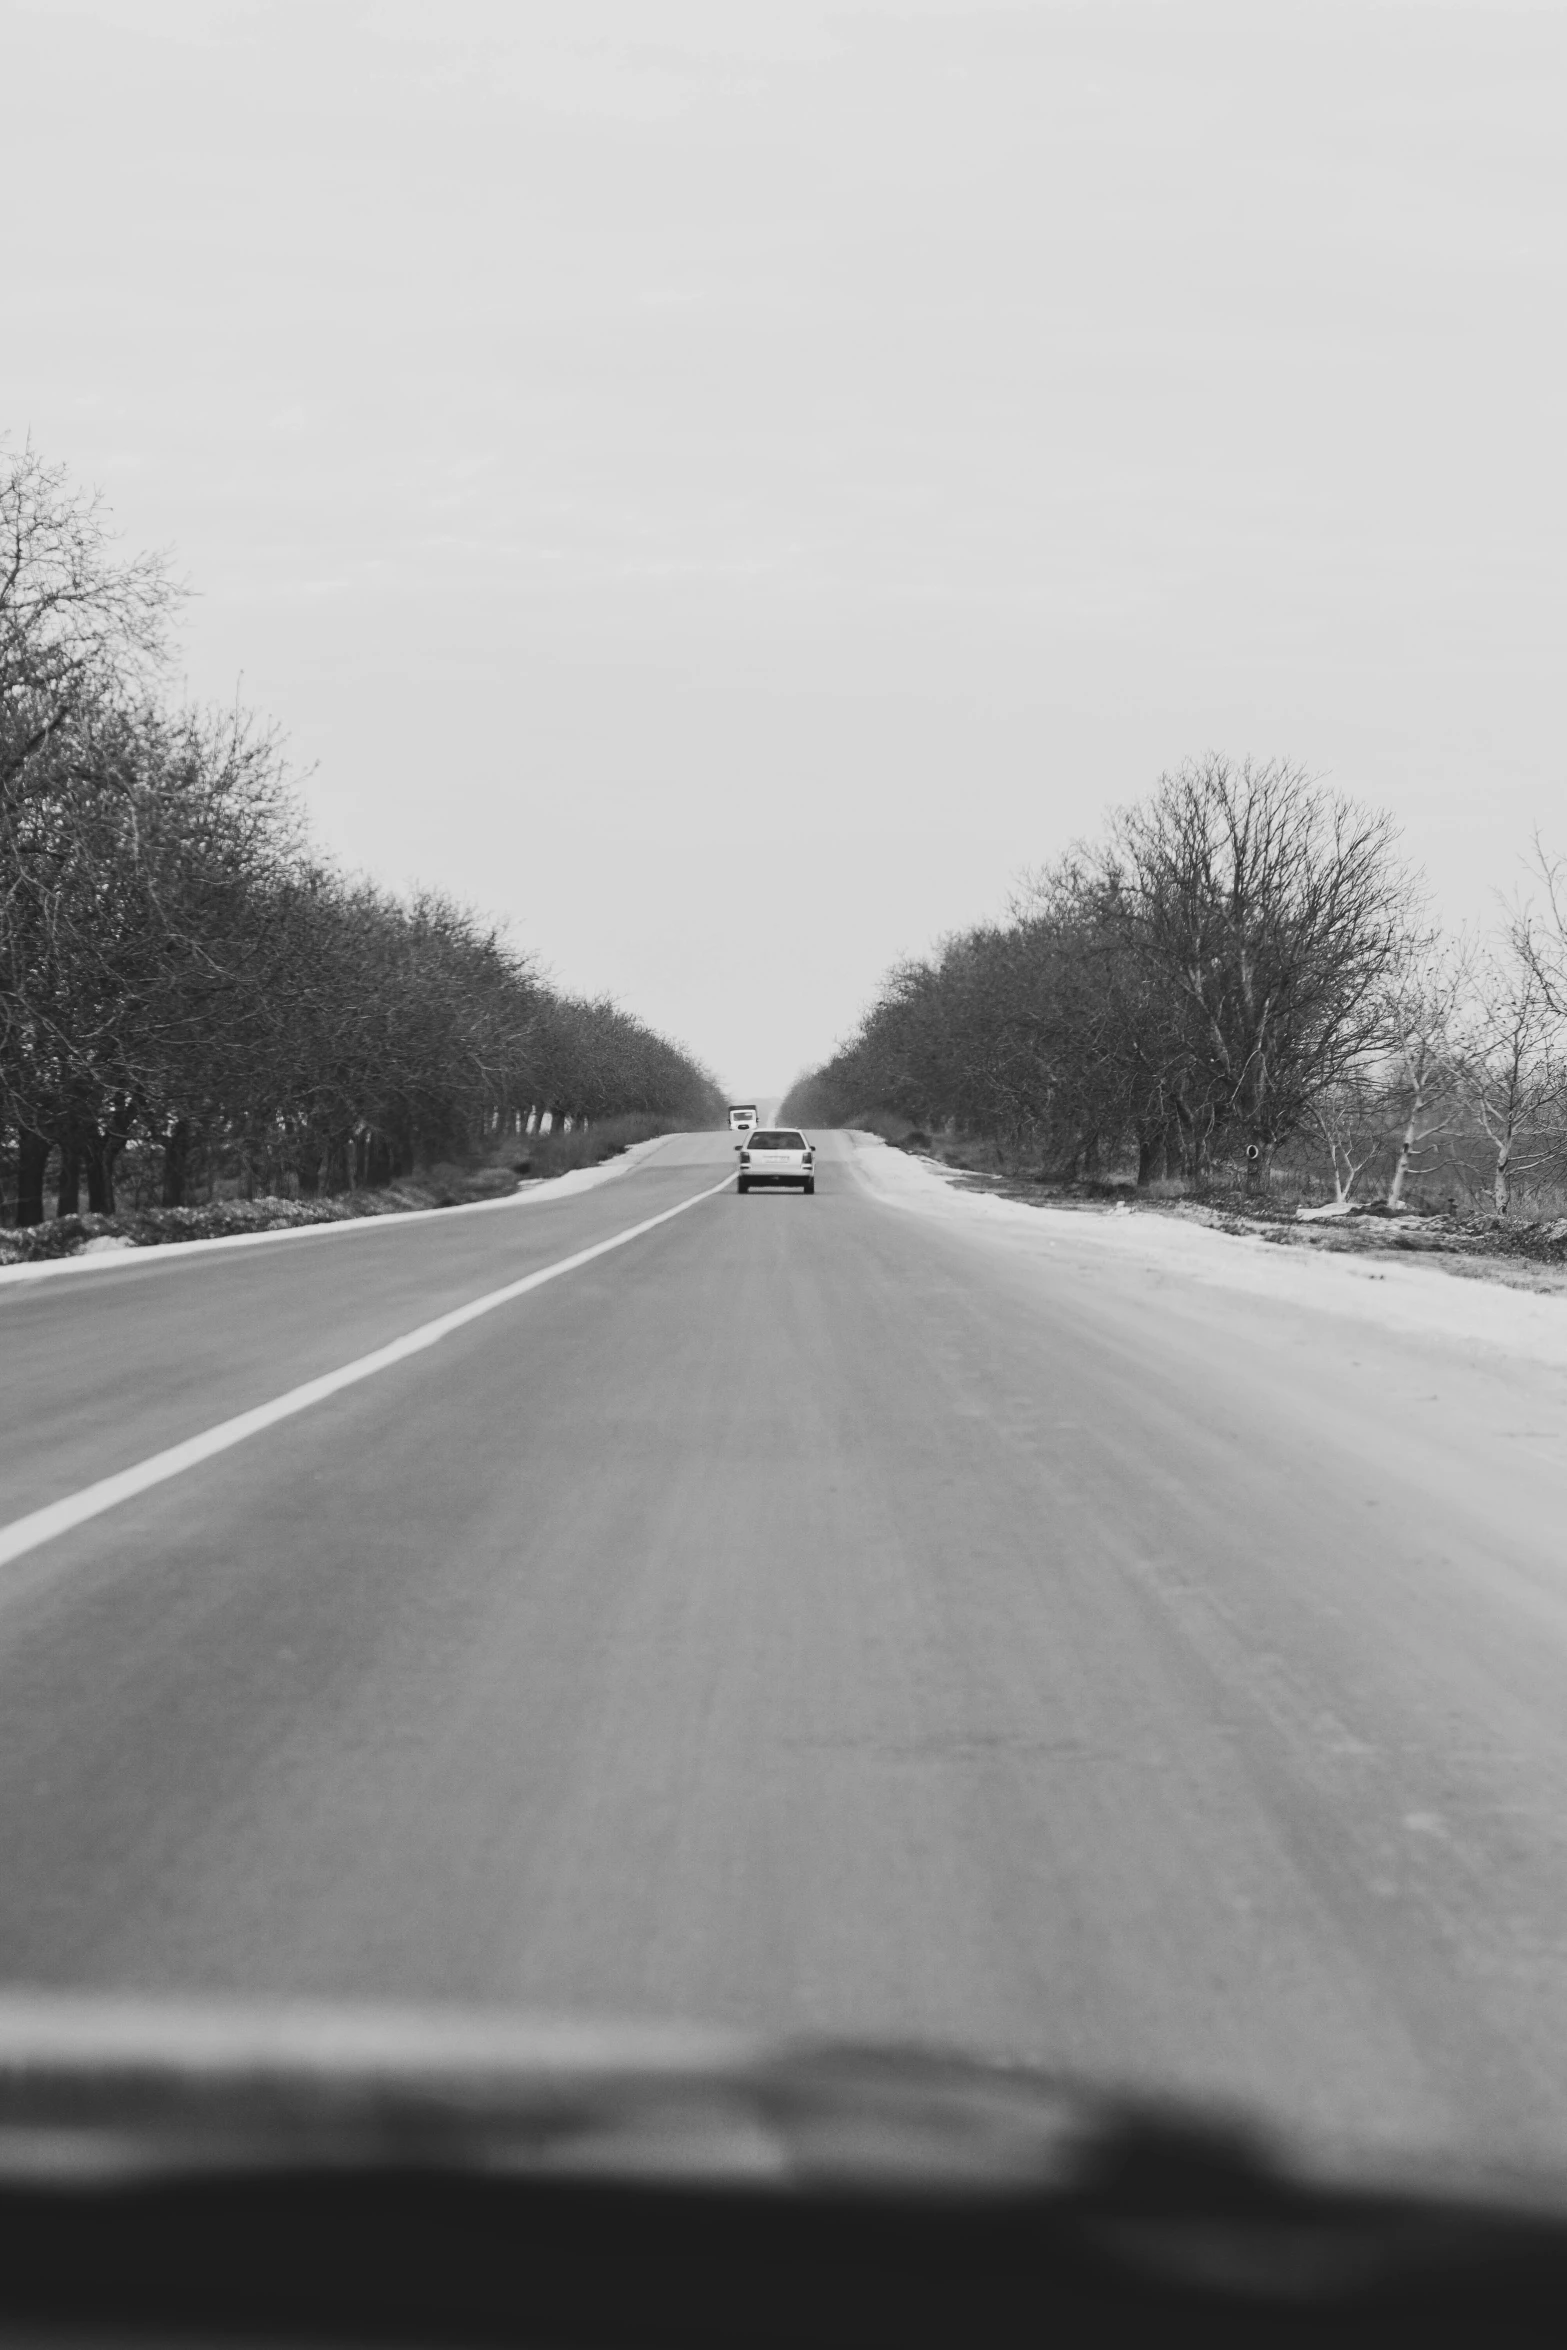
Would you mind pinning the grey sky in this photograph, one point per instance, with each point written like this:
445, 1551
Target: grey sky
667, 462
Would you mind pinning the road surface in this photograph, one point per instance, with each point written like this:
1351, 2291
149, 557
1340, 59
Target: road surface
806, 1616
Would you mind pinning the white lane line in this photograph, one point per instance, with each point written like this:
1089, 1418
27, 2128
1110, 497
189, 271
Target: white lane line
39, 1526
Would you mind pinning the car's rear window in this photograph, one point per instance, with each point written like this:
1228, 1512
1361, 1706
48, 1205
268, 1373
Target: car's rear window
777, 1141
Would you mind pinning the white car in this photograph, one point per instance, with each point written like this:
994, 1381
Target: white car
777, 1154
742, 1116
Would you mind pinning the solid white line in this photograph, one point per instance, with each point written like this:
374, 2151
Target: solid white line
39, 1526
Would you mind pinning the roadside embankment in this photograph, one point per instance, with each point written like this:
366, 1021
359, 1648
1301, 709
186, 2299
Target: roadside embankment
1523, 1251
225, 1219
531, 1160
1517, 1308
70, 1243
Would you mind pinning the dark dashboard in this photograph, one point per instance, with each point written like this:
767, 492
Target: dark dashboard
294, 2176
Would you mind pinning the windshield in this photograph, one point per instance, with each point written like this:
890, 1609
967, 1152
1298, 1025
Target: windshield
555, 558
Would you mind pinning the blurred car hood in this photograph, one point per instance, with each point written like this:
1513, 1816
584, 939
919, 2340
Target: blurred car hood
289, 2170
111, 2085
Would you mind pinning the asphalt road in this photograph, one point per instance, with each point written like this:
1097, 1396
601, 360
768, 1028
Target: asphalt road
810, 1617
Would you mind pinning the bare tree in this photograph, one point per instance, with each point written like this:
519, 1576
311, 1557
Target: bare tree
1513, 1076
1537, 935
1270, 913
73, 619
1424, 1043
1350, 1118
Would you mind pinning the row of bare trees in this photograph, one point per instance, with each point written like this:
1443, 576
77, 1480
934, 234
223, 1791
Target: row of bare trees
178, 970
1239, 968
1467, 1085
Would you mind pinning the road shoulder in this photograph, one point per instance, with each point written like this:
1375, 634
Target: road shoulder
557, 1187
1396, 1295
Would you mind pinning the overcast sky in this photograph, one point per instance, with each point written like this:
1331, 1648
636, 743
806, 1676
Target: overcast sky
730, 486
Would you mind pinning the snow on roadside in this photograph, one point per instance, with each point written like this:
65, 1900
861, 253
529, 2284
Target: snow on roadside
1412, 1299
97, 1254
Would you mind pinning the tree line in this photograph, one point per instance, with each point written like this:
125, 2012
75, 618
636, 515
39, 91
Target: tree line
180, 971
1240, 967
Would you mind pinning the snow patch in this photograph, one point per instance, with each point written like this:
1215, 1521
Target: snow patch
1414, 1300
180, 1252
